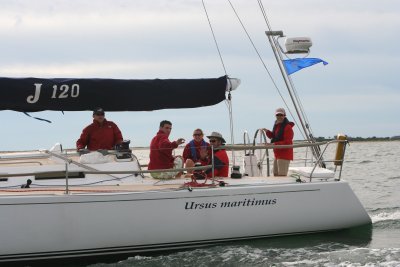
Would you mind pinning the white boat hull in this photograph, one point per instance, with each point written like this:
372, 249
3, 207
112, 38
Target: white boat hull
59, 226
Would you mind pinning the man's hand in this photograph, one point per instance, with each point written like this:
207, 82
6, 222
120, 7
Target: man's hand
268, 132
180, 141
203, 153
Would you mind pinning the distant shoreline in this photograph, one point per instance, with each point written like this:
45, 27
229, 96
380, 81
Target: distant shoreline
357, 139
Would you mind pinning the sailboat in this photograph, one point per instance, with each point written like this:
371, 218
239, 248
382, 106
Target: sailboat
57, 204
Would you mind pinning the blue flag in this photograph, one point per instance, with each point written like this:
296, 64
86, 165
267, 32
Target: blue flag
293, 65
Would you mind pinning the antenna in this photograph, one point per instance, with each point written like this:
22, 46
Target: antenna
302, 45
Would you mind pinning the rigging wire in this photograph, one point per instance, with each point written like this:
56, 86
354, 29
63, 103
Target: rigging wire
264, 13
293, 94
265, 66
260, 4
229, 100
301, 107
215, 39
304, 114
295, 97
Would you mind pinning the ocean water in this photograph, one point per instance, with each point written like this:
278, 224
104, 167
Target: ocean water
373, 171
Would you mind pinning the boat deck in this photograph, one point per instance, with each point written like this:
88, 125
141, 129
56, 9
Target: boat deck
148, 184
46, 175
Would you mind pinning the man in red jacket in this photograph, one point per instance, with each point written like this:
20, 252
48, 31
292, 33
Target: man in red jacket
221, 160
161, 152
281, 134
101, 134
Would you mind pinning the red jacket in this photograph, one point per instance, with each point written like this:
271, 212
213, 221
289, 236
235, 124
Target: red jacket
96, 136
187, 152
221, 164
161, 152
287, 139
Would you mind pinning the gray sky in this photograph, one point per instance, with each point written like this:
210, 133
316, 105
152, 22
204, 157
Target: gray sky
357, 93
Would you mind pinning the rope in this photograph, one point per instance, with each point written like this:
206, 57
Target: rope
215, 39
37, 118
229, 106
229, 100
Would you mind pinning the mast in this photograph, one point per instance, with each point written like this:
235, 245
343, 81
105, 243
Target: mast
273, 40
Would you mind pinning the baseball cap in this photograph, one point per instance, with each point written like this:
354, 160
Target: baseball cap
98, 111
280, 111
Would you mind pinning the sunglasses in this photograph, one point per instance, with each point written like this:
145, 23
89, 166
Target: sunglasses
279, 115
213, 140
196, 134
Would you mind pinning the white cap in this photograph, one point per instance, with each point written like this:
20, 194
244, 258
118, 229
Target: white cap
280, 111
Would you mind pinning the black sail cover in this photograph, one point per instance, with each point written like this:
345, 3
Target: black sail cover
69, 94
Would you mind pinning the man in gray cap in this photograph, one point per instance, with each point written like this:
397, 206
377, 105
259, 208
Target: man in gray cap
101, 134
221, 160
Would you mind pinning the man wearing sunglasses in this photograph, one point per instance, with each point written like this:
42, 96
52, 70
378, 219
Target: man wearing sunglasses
281, 134
101, 134
221, 160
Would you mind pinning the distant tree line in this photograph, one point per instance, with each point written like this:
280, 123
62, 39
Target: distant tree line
351, 138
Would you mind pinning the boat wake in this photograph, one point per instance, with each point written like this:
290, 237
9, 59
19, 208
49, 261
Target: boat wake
386, 218
329, 254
